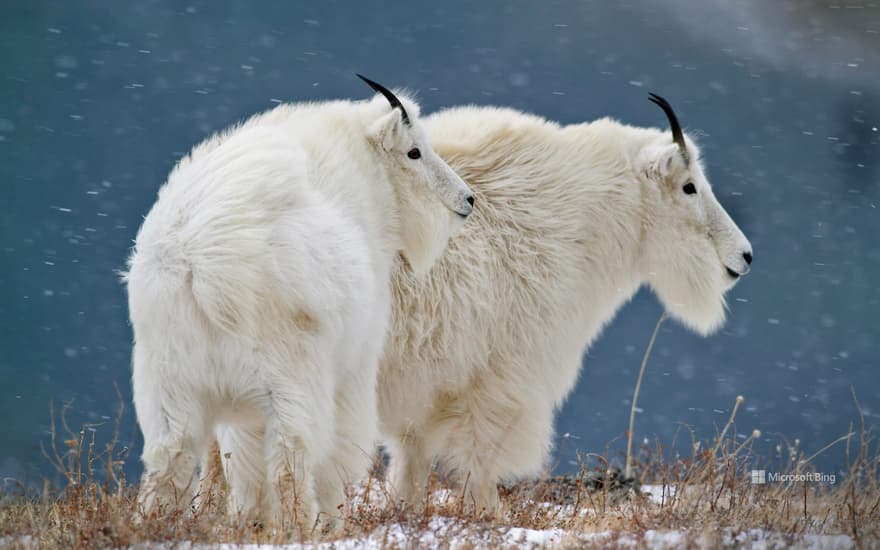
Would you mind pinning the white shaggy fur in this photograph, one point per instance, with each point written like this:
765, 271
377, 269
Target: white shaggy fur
259, 293
569, 222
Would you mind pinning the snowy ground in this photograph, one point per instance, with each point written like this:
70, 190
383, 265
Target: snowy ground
450, 532
444, 533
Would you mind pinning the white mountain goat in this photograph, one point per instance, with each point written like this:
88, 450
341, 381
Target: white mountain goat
570, 222
259, 293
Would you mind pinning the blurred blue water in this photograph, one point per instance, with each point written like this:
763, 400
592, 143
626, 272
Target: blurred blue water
100, 99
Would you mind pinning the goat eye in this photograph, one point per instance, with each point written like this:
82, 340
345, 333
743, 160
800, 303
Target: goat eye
414, 153
689, 188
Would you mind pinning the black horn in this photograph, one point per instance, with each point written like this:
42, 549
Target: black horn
392, 99
677, 135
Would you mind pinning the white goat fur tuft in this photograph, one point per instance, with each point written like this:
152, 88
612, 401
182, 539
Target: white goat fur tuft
259, 294
569, 223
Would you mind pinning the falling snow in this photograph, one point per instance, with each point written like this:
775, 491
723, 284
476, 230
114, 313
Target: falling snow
94, 116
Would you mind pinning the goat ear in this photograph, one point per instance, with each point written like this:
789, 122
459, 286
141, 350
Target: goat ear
387, 130
657, 162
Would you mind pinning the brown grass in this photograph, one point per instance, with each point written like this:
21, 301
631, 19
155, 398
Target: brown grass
707, 496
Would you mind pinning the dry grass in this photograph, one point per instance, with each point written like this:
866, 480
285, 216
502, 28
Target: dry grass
705, 499
707, 496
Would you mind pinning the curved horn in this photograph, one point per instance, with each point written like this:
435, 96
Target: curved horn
677, 136
392, 99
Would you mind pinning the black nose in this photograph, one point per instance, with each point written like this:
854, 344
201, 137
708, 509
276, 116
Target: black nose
747, 256
470, 200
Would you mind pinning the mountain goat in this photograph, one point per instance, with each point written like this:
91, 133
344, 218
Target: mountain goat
259, 294
570, 222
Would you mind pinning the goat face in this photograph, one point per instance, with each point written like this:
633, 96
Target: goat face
694, 252
432, 200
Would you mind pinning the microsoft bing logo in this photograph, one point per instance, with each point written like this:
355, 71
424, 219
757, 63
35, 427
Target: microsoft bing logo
761, 477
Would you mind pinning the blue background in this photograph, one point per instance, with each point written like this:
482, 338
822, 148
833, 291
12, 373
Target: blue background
99, 100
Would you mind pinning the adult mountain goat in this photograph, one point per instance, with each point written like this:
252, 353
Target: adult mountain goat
570, 222
259, 293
